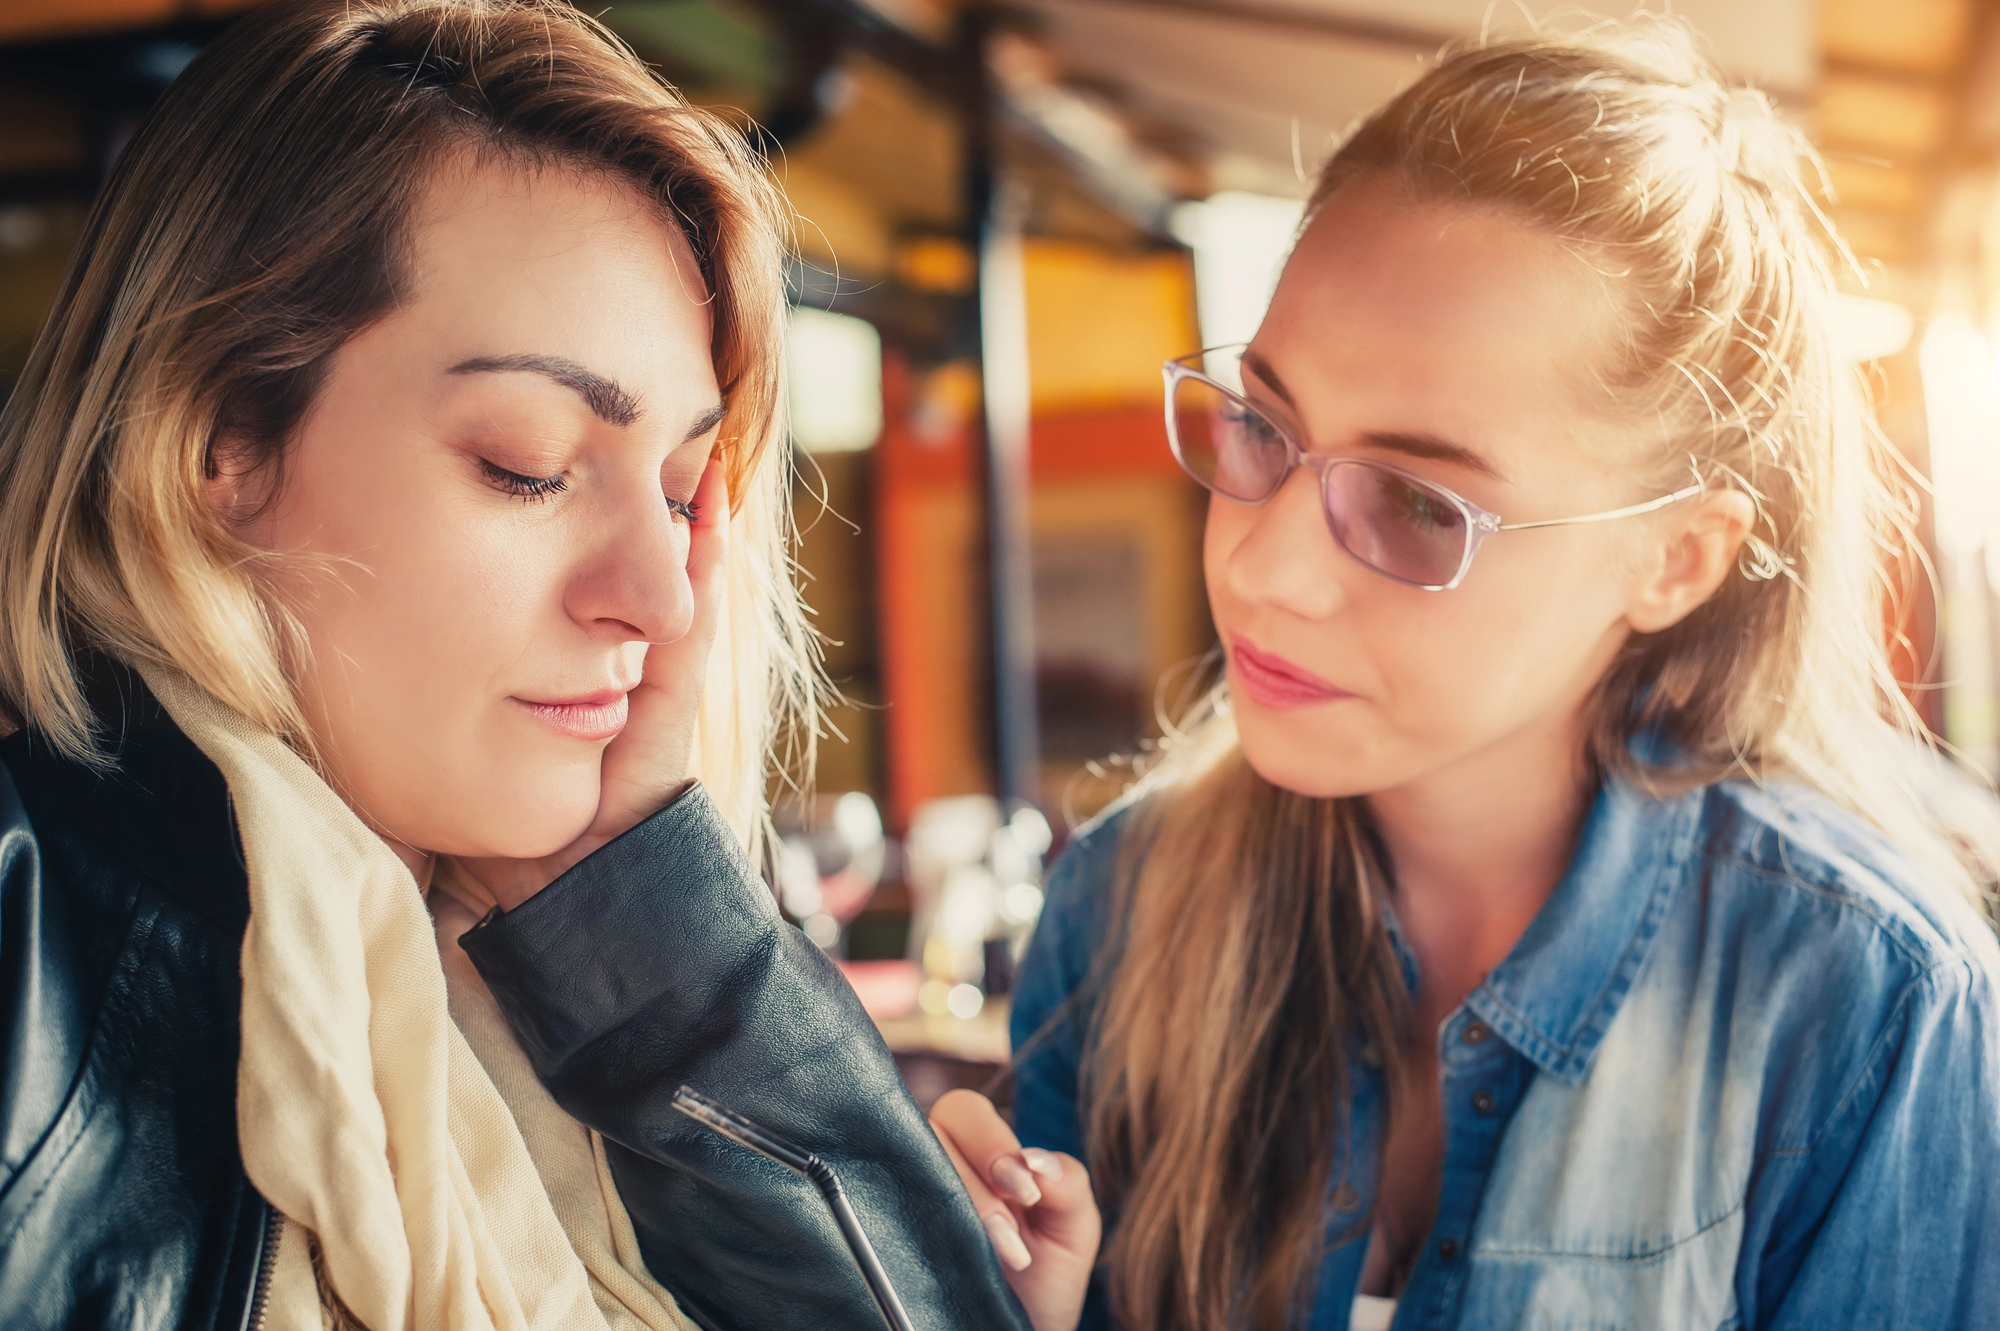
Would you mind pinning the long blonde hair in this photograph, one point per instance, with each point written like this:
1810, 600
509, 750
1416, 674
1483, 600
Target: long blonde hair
257, 221
1252, 959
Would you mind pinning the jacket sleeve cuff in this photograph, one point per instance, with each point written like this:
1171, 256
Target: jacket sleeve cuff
601, 945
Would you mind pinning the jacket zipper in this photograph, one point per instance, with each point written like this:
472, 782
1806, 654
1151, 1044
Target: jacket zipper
267, 1264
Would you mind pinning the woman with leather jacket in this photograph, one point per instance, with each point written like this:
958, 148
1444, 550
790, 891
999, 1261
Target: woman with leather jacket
392, 531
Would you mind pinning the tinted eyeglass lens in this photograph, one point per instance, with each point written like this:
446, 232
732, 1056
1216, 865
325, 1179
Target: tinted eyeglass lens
1224, 444
1394, 524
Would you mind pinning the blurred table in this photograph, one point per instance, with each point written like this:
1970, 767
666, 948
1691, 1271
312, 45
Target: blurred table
935, 1052
977, 1039
953, 1054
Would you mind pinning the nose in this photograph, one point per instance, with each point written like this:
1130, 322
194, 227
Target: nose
1286, 558
631, 583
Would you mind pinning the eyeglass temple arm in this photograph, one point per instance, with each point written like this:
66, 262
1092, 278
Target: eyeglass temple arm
1631, 511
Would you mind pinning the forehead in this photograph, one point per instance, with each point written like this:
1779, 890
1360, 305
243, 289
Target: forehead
1467, 323
558, 262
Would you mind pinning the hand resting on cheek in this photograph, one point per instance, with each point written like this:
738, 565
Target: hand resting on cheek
651, 760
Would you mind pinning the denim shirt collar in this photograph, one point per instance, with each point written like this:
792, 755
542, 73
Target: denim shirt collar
1555, 994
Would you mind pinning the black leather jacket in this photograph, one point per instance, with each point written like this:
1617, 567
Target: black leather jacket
659, 961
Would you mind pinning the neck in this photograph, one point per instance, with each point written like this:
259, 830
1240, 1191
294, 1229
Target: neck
1478, 847
420, 863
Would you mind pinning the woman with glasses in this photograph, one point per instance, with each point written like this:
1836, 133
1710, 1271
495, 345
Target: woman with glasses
1550, 919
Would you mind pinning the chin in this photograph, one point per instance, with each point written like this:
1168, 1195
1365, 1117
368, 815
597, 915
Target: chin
1319, 762
527, 821
517, 843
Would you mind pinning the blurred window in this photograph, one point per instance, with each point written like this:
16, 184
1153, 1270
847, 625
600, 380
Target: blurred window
1240, 242
1962, 407
835, 365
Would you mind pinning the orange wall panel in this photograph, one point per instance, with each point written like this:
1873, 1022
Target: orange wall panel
929, 539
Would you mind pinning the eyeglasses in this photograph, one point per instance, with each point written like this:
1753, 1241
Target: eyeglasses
1391, 520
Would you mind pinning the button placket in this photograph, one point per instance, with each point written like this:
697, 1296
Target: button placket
1482, 1079
1467, 1044
1357, 1173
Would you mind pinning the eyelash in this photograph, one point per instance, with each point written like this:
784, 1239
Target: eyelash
531, 489
534, 489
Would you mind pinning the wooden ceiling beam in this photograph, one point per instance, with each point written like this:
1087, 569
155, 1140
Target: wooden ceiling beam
1289, 18
1955, 159
939, 70
1901, 76
1414, 38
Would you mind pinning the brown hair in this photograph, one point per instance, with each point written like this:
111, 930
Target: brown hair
258, 220
1253, 960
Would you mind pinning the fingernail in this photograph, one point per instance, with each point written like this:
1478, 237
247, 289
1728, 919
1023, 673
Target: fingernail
1007, 1241
1011, 1178
1043, 1162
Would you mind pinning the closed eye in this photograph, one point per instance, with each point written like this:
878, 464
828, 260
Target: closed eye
530, 488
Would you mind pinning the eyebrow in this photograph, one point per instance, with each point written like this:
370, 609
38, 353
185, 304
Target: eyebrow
1416, 445
1431, 447
705, 422
610, 403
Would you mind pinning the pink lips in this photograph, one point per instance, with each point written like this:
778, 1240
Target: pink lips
598, 717
1271, 681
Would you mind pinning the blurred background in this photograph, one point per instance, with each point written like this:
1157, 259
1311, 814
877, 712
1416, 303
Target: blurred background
1008, 216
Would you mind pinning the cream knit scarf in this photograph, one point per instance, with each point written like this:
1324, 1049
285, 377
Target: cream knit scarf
439, 1191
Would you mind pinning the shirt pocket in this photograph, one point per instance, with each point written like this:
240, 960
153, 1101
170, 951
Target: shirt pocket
1680, 1284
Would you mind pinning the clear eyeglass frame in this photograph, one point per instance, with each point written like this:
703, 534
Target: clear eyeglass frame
1480, 523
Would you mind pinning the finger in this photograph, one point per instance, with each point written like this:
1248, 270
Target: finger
1003, 1229
1065, 1184
1067, 1215
983, 1198
673, 671
650, 759
988, 1143
708, 539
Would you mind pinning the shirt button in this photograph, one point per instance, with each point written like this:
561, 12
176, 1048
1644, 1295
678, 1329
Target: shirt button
1346, 1197
1448, 1250
1476, 1033
1482, 1102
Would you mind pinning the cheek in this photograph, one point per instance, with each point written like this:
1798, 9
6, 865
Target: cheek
431, 610
1442, 675
407, 584
1222, 531
1502, 652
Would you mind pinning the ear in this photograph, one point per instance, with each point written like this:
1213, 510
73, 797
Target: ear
1695, 551
235, 488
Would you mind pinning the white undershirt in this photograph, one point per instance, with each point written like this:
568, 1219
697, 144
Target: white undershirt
1371, 1313
1374, 1312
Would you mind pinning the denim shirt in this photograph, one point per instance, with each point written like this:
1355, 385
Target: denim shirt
1742, 1070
